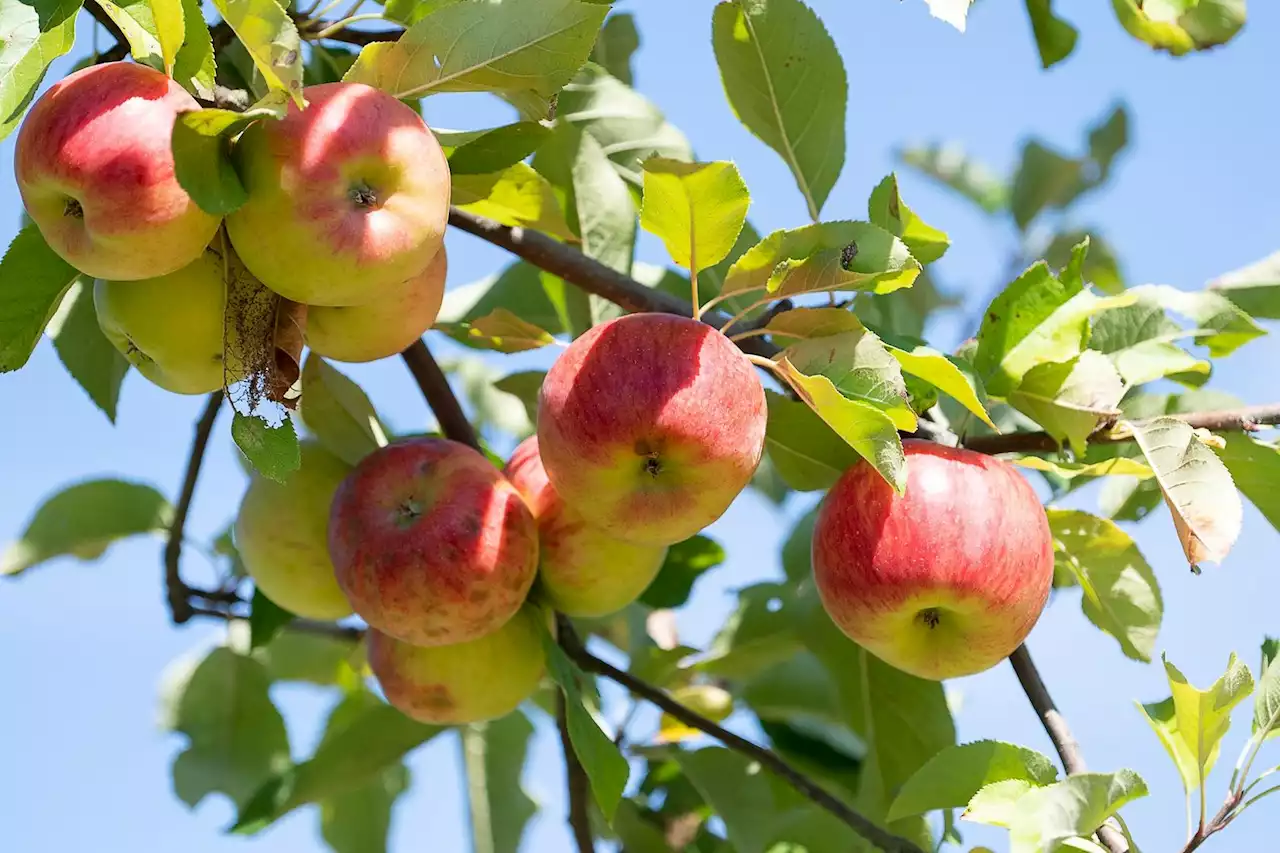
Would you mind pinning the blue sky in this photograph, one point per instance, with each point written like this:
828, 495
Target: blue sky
82, 646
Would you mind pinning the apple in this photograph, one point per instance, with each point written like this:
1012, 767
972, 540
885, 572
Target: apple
95, 170
944, 581
650, 425
170, 327
582, 571
282, 534
384, 327
347, 198
430, 542
481, 679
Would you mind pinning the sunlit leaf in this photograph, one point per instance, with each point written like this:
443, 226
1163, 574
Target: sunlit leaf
1070, 398
1055, 38
1193, 735
887, 209
696, 209
515, 196
1254, 288
32, 35
808, 454
1266, 701
947, 374
503, 331
1221, 326
1120, 465
1139, 340
1045, 817
952, 777
338, 412
953, 167
269, 35
1181, 26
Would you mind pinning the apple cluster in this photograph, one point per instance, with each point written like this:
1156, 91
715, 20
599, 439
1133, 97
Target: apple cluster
345, 211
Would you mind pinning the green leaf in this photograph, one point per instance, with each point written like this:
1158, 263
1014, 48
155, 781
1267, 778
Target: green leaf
996, 804
1121, 595
809, 323
510, 46
503, 331
1045, 817
1138, 339
83, 520
136, 20
1255, 469
948, 374
786, 82
696, 209
952, 777
494, 758
602, 206
1037, 318
266, 619
685, 562
493, 150
950, 165
860, 367
711, 701
824, 256
1055, 38
236, 737
617, 42
338, 412
1266, 702
88, 356
809, 454
1254, 288
33, 280
1221, 326
606, 769
32, 35
865, 428
490, 408
1101, 267
535, 296
194, 67
525, 386
412, 11
321, 659
1070, 398
1045, 179
1163, 719
1202, 717
887, 209
516, 196
268, 34
327, 65
1181, 26
756, 636
202, 153
1197, 488
954, 12
272, 451
1119, 465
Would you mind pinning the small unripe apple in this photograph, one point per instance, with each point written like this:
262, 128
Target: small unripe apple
170, 327
650, 425
470, 682
582, 571
944, 581
348, 198
430, 542
282, 534
384, 327
95, 168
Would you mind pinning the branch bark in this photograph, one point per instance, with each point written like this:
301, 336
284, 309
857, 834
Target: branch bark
1059, 732
577, 784
858, 822
440, 397
178, 593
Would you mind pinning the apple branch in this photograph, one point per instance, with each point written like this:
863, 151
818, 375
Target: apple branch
1059, 732
577, 784
440, 397
858, 822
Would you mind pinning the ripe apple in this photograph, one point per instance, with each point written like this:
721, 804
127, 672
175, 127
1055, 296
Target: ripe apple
582, 571
469, 682
944, 581
650, 425
348, 198
95, 170
384, 327
282, 533
170, 327
430, 542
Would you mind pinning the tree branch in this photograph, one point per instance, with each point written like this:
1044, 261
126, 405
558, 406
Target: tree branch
589, 274
440, 397
356, 37
1058, 730
1248, 419
178, 593
859, 823
577, 783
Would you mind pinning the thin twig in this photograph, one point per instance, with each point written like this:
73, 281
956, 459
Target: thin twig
577, 783
363, 37
860, 824
178, 593
440, 397
1247, 419
1058, 730
1224, 816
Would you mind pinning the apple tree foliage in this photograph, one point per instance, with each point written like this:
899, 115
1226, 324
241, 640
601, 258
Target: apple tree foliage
1074, 373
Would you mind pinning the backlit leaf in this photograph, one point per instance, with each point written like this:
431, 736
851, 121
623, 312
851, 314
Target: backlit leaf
136, 20
946, 374
1266, 701
860, 367
887, 209
1254, 288
809, 454
266, 619
1045, 817
525, 386
1181, 26
1120, 465
1070, 398
1139, 340
194, 66
712, 702
34, 279
338, 412
1055, 38
1201, 717
1221, 326
273, 451
270, 37
503, 331
952, 777
32, 35
696, 209
516, 196
84, 350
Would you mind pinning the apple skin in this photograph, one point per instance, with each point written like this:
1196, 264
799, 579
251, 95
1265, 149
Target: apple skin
945, 581
430, 542
95, 170
470, 682
650, 425
169, 327
348, 198
582, 571
282, 534
383, 328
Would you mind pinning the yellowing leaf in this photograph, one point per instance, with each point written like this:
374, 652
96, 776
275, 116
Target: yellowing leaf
170, 29
946, 375
1120, 465
1197, 488
887, 209
134, 18
516, 196
806, 323
270, 37
714, 703
505, 332
697, 209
